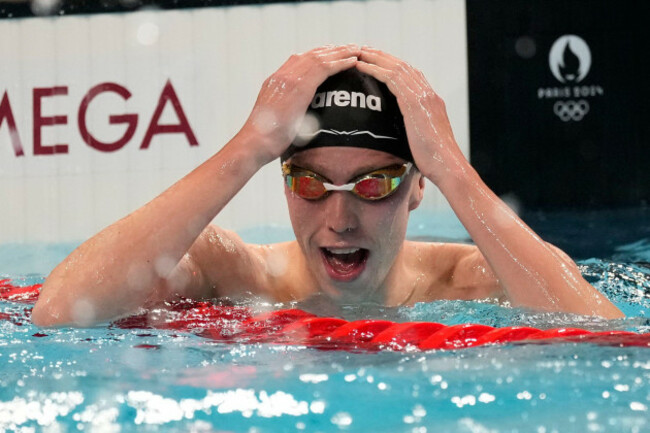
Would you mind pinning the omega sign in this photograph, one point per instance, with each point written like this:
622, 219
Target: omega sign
129, 120
569, 60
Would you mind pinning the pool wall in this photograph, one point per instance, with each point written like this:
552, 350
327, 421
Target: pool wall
185, 81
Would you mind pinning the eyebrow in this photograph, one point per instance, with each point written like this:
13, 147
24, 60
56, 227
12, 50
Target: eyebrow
359, 172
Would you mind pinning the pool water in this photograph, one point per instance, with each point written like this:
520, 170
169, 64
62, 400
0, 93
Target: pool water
107, 379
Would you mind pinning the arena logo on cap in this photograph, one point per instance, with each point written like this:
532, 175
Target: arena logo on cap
343, 98
569, 61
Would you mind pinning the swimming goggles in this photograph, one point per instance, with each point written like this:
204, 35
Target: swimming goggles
375, 185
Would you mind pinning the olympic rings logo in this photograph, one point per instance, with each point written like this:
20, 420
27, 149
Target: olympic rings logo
571, 110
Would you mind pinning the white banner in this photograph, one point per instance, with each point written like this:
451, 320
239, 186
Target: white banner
100, 113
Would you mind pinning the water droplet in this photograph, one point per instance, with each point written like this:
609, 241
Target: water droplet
525, 47
164, 266
45, 7
307, 129
148, 33
317, 406
83, 312
342, 419
276, 263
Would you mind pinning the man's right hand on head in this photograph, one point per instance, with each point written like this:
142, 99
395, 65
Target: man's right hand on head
285, 96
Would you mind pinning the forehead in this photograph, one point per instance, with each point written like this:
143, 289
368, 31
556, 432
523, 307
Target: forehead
343, 161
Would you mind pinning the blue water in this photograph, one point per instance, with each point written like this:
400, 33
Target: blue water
99, 379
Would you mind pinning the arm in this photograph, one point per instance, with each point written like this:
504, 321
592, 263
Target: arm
531, 272
143, 259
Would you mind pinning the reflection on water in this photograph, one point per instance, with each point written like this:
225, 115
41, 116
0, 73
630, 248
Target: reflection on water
111, 379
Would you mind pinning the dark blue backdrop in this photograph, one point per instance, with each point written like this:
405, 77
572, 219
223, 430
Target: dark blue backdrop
574, 139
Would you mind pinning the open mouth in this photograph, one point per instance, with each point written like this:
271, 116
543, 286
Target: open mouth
344, 264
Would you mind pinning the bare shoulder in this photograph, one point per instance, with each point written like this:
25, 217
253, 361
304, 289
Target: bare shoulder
233, 267
453, 270
446, 255
228, 265
286, 272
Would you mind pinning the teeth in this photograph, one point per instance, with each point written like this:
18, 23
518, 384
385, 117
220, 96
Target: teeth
342, 250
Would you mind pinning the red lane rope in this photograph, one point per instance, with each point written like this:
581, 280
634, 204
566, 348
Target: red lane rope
238, 324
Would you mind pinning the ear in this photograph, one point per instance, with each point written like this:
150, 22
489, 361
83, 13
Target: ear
417, 192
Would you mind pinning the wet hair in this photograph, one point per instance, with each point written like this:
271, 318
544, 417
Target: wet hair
353, 109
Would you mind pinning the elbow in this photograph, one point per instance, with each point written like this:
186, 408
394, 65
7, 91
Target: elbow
47, 312
42, 316
48, 316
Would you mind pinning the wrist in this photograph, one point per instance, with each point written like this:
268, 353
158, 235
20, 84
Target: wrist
254, 146
454, 178
444, 169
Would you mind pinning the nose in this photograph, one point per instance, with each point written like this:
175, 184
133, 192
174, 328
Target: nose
341, 212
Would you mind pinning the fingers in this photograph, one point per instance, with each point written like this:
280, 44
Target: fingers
334, 52
382, 74
337, 58
322, 54
413, 77
317, 64
387, 61
392, 67
379, 58
341, 65
399, 84
324, 62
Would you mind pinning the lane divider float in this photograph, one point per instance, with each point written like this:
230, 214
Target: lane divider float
238, 324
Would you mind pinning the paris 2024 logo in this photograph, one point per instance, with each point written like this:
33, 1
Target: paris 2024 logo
569, 61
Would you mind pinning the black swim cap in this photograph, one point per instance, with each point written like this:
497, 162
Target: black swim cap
353, 109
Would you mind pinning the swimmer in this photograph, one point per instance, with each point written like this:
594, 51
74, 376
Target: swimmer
354, 168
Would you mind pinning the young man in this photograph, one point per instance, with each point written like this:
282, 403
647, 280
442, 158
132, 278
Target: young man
351, 179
